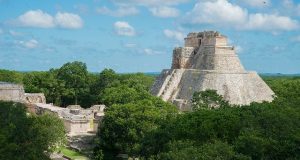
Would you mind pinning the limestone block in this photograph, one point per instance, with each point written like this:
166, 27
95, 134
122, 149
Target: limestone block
35, 98
11, 92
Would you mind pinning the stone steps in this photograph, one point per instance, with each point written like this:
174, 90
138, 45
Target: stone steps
171, 85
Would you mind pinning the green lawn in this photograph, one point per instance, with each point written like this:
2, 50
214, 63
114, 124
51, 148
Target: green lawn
73, 154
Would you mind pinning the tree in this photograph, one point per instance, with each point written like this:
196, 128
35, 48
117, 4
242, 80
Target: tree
125, 125
33, 81
11, 76
75, 76
47, 83
53, 88
122, 94
24, 136
216, 150
208, 99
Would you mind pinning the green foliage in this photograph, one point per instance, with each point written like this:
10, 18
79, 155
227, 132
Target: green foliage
208, 99
24, 136
119, 95
126, 125
182, 150
71, 84
143, 126
11, 76
122, 88
75, 76
287, 90
256, 131
98, 155
72, 154
47, 83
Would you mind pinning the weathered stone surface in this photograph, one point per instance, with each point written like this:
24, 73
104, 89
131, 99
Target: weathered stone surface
11, 92
15, 92
77, 120
35, 98
207, 62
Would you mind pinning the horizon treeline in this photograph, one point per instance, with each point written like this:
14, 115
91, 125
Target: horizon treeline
145, 129
73, 84
143, 126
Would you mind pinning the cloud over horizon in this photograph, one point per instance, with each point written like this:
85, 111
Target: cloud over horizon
41, 19
224, 13
164, 12
149, 2
121, 11
172, 34
144, 32
123, 28
30, 44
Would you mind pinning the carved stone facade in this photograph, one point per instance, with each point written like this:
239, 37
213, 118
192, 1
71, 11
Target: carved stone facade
207, 62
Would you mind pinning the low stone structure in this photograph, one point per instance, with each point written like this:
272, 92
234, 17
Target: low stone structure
35, 98
16, 93
77, 120
208, 62
11, 92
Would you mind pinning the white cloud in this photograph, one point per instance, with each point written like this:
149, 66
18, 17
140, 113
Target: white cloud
217, 12
174, 35
149, 2
271, 22
149, 51
289, 7
82, 8
14, 33
238, 49
296, 39
36, 18
165, 11
40, 19
257, 3
223, 13
31, 44
124, 29
120, 12
68, 20
130, 45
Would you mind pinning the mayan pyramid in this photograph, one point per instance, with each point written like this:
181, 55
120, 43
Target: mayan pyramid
208, 62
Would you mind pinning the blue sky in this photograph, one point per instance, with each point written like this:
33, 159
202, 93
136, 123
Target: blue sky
139, 35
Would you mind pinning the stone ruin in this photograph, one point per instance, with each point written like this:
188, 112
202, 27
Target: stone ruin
77, 120
16, 93
80, 124
208, 62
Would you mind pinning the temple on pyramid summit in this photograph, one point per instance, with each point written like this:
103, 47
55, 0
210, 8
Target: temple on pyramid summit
208, 62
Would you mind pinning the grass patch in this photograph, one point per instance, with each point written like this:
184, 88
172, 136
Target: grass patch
74, 155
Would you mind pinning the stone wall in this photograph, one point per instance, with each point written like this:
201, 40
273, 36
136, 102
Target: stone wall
77, 121
35, 98
77, 126
11, 92
16, 93
237, 88
182, 57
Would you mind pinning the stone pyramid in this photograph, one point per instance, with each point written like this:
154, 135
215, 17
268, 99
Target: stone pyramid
208, 62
